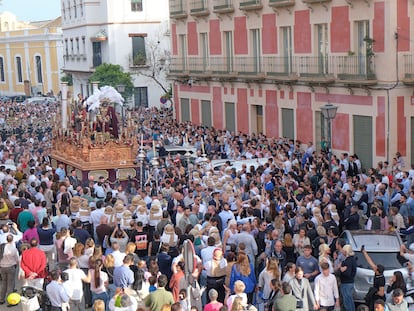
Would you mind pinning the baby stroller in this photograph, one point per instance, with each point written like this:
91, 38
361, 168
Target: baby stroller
35, 299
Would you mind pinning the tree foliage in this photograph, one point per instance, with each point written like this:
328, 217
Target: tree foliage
113, 75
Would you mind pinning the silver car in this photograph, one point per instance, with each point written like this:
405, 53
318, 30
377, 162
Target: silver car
384, 249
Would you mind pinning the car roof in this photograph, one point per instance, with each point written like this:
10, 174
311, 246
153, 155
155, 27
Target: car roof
373, 241
238, 164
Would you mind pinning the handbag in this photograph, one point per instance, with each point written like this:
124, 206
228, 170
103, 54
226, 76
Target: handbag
299, 301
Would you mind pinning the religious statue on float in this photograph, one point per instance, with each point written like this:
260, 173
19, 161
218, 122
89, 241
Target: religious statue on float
102, 113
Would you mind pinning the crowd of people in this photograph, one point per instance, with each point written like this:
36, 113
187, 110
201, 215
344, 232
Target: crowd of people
264, 237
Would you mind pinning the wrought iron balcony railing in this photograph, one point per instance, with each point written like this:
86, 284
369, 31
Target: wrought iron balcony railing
178, 9
199, 8
223, 6
323, 69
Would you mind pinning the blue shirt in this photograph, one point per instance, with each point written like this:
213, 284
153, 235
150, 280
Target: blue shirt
123, 276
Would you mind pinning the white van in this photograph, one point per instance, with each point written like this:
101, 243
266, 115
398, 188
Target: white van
238, 164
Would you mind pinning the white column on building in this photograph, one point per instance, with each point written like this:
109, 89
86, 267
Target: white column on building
10, 65
64, 91
49, 85
95, 85
27, 58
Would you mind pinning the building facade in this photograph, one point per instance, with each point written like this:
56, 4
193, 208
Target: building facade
270, 65
30, 56
122, 32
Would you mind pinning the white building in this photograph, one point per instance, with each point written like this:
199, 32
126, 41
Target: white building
118, 32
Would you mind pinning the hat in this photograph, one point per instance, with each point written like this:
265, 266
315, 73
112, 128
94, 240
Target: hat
155, 204
108, 210
119, 208
127, 215
169, 229
75, 204
136, 200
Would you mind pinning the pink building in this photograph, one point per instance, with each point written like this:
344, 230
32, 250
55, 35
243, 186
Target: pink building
270, 65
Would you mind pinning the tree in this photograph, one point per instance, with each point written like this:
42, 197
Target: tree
113, 75
157, 60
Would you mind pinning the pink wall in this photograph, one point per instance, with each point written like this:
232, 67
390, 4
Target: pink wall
218, 108
269, 34
174, 39
340, 29
242, 111
272, 114
344, 99
403, 25
195, 110
401, 127
194, 88
380, 127
302, 31
240, 36
192, 38
340, 131
378, 26
304, 117
215, 37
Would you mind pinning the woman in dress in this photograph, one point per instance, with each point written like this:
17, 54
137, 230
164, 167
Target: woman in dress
300, 240
266, 276
99, 282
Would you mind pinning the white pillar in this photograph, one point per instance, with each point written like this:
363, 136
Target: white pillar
64, 92
95, 85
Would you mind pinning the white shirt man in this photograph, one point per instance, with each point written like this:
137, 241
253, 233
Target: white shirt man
326, 288
75, 278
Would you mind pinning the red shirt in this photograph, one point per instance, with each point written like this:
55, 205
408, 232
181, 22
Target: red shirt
34, 260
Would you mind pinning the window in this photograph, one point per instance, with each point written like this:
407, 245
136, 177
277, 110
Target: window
83, 46
77, 46
19, 69
71, 47
136, 5
97, 54
69, 10
64, 10
75, 8
66, 48
139, 56
2, 78
141, 97
81, 7
38, 61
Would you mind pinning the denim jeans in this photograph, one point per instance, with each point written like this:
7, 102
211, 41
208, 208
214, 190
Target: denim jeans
102, 296
348, 301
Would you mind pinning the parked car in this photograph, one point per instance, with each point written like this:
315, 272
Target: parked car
173, 151
384, 249
238, 164
19, 98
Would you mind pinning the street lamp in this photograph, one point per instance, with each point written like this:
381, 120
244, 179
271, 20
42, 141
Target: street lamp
155, 164
141, 159
329, 113
121, 90
187, 156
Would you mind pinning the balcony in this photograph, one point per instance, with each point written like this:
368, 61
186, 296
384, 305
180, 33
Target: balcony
279, 68
315, 69
315, 1
281, 3
223, 6
199, 8
251, 5
408, 63
356, 69
138, 60
178, 9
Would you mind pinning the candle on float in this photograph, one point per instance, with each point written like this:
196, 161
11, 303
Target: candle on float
186, 139
142, 141
202, 145
153, 147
